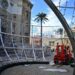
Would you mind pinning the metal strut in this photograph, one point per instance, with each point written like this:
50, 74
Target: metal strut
4, 48
1, 40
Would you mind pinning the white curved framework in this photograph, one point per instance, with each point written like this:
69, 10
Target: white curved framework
12, 50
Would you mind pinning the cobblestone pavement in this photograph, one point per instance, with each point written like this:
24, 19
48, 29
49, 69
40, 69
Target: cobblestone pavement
39, 70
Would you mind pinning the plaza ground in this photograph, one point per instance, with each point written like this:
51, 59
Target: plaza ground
39, 70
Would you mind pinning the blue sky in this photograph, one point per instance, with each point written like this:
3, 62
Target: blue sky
41, 6
38, 6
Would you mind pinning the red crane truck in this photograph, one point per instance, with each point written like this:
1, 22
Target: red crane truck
63, 55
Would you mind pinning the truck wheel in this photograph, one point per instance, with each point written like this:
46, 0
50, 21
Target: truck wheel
71, 60
56, 61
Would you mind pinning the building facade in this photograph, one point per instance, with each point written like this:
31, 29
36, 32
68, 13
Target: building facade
15, 17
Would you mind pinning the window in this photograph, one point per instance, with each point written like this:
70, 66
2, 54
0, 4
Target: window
51, 43
26, 34
11, 4
13, 28
14, 16
27, 14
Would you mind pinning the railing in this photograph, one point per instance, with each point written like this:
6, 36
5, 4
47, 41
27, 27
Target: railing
11, 51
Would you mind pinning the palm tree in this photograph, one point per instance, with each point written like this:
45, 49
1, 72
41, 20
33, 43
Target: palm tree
42, 18
60, 32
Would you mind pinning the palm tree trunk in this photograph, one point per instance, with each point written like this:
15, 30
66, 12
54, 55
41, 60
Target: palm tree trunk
64, 23
41, 34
